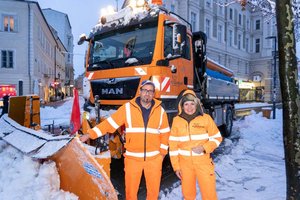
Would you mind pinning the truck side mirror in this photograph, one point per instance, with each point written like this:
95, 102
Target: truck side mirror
82, 39
179, 39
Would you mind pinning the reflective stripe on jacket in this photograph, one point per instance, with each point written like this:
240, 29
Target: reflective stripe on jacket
202, 130
141, 142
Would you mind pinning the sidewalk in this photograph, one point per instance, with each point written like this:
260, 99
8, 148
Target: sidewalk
244, 109
54, 104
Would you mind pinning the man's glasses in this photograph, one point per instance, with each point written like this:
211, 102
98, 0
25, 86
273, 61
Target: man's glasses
145, 91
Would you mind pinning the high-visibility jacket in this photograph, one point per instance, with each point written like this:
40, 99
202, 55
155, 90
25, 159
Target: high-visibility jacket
142, 142
202, 130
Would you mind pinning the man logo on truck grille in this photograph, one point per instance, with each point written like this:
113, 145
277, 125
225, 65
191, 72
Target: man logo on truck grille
111, 81
112, 91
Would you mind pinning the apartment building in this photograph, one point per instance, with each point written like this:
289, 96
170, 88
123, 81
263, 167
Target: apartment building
61, 23
237, 40
32, 54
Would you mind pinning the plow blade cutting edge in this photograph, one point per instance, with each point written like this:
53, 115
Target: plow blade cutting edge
79, 171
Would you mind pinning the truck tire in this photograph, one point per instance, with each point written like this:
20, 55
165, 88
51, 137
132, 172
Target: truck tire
226, 128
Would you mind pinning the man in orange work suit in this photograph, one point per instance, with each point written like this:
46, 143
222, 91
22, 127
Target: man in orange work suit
147, 134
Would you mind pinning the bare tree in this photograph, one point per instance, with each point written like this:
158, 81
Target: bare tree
268, 8
290, 97
287, 14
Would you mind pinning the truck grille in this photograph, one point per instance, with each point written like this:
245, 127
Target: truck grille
115, 88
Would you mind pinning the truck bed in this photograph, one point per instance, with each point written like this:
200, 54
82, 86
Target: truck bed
220, 89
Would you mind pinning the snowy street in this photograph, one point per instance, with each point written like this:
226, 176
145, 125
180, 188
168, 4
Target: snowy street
250, 164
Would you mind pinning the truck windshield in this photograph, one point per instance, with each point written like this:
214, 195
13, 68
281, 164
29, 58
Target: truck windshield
123, 47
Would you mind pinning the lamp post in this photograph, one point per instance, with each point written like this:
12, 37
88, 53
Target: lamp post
274, 75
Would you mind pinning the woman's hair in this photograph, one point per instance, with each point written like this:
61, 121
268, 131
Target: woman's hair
191, 97
188, 97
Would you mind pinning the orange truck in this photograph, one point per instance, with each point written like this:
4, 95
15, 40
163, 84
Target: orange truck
140, 42
147, 42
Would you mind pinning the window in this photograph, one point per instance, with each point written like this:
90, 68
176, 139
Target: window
230, 37
230, 14
168, 49
9, 23
193, 20
257, 45
69, 41
247, 45
208, 3
187, 52
257, 24
221, 10
247, 68
248, 24
220, 32
7, 59
207, 27
240, 19
239, 41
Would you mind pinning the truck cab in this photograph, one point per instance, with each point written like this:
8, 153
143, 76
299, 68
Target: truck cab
151, 43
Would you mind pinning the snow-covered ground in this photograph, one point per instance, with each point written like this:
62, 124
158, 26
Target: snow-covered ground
251, 167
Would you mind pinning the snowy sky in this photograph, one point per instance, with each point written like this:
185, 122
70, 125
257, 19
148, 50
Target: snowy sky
83, 15
250, 165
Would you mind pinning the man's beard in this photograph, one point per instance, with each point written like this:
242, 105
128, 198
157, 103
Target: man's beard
146, 100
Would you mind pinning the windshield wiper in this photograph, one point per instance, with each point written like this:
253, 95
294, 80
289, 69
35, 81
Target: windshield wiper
134, 60
103, 62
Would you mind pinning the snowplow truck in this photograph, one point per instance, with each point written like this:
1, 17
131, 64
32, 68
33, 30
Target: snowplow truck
147, 42
140, 42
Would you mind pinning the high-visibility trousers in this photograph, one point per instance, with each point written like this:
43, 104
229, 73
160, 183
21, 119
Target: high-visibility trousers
204, 173
133, 173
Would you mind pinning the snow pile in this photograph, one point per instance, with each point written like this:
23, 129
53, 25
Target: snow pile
252, 163
255, 167
23, 178
60, 115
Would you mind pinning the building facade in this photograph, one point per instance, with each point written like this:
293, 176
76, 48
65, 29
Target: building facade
237, 40
61, 23
32, 54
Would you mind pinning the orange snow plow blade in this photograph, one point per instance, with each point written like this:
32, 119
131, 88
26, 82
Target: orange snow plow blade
79, 171
81, 174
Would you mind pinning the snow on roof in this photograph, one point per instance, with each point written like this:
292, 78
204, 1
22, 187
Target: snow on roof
125, 16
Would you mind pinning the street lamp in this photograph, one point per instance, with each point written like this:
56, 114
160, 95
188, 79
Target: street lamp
274, 74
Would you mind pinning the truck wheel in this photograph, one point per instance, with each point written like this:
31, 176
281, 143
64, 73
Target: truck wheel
226, 129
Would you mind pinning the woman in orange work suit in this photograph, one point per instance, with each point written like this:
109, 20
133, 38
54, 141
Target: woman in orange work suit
194, 135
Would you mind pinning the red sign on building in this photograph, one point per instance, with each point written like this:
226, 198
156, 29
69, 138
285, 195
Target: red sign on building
9, 90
